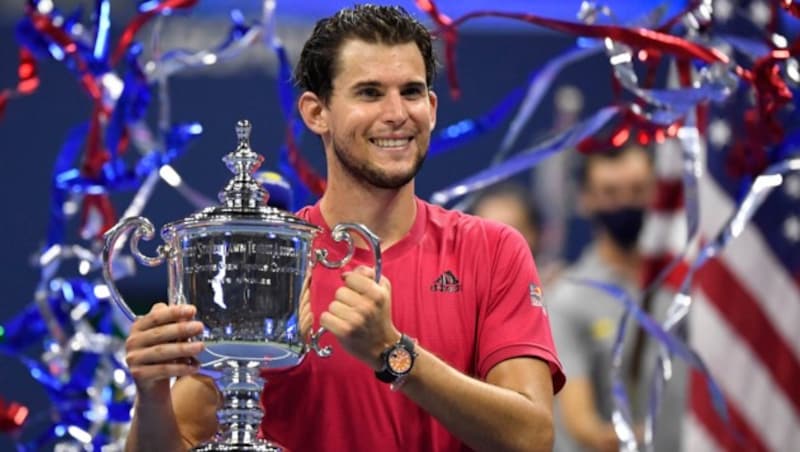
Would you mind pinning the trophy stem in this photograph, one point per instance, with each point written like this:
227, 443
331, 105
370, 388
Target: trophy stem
241, 413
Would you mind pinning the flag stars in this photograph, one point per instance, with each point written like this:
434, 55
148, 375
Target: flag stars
760, 13
791, 228
723, 10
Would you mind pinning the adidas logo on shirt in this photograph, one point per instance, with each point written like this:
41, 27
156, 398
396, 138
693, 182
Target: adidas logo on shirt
446, 282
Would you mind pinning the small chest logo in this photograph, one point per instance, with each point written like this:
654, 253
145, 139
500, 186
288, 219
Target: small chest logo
446, 282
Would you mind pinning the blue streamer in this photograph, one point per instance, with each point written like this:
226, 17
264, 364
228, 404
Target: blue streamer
528, 158
115, 176
467, 129
673, 344
31, 39
132, 103
299, 192
540, 81
102, 21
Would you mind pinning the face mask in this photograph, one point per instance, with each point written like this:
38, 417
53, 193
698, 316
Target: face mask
623, 225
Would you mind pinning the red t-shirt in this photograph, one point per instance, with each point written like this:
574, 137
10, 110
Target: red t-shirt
465, 288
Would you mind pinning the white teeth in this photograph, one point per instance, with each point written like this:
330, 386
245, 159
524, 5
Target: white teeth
390, 143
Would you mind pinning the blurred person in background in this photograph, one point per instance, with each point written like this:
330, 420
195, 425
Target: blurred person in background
511, 204
616, 187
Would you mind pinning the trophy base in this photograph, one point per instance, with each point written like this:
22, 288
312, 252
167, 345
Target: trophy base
260, 445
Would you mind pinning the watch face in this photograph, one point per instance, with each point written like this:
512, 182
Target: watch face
399, 361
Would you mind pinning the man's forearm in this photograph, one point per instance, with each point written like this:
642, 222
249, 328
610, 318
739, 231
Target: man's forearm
154, 428
482, 415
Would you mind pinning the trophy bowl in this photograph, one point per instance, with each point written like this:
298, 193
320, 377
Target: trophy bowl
242, 264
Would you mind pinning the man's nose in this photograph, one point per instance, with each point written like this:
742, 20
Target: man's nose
395, 110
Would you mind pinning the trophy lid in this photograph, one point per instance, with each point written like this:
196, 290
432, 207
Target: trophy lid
243, 199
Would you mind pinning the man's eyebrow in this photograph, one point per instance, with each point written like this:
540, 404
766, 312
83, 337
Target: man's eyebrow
416, 85
376, 84
366, 84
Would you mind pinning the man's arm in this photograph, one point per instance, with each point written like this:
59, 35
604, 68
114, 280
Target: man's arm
580, 416
183, 420
154, 426
512, 410
156, 350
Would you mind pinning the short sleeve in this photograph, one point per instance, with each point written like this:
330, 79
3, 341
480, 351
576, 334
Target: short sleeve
568, 330
513, 320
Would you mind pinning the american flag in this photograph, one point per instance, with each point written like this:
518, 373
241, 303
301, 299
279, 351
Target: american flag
745, 317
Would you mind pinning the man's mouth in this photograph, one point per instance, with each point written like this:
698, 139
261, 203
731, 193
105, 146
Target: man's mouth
390, 142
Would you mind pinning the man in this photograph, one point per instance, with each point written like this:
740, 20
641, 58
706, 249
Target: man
510, 204
615, 189
483, 369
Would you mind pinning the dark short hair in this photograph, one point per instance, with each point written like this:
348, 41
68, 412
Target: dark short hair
390, 25
585, 164
510, 189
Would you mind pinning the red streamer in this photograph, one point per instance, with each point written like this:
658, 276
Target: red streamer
92, 166
631, 126
791, 7
450, 36
771, 90
761, 127
12, 416
44, 24
28, 75
315, 183
639, 38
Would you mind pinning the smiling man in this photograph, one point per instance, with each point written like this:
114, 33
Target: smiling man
449, 351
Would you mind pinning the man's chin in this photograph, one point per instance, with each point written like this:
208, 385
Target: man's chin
389, 182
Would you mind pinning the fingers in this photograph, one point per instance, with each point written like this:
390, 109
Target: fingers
369, 272
306, 316
171, 332
163, 371
346, 312
164, 353
157, 347
361, 280
336, 325
161, 314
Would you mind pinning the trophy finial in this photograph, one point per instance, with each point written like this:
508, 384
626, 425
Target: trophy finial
243, 128
243, 192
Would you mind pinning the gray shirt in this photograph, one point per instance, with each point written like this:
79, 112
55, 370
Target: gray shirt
584, 322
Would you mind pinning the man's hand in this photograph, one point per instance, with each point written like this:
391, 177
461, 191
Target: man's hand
360, 316
157, 348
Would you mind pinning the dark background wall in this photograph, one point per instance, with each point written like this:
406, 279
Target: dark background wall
491, 61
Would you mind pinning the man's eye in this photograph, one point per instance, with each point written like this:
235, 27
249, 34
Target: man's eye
369, 92
412, 92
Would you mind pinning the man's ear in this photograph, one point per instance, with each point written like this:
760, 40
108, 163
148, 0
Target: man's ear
434, 103
313, 112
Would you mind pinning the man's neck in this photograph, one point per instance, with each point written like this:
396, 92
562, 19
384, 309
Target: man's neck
625, 262
389, 214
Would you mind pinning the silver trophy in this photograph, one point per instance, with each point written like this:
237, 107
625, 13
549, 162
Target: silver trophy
242, 264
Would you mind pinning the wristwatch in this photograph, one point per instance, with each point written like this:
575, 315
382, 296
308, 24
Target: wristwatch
398, 360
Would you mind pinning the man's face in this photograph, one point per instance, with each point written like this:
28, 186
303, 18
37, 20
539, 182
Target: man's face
380, 114
614, 184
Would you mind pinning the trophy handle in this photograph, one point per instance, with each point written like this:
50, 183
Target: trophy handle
144, 229
342, 232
